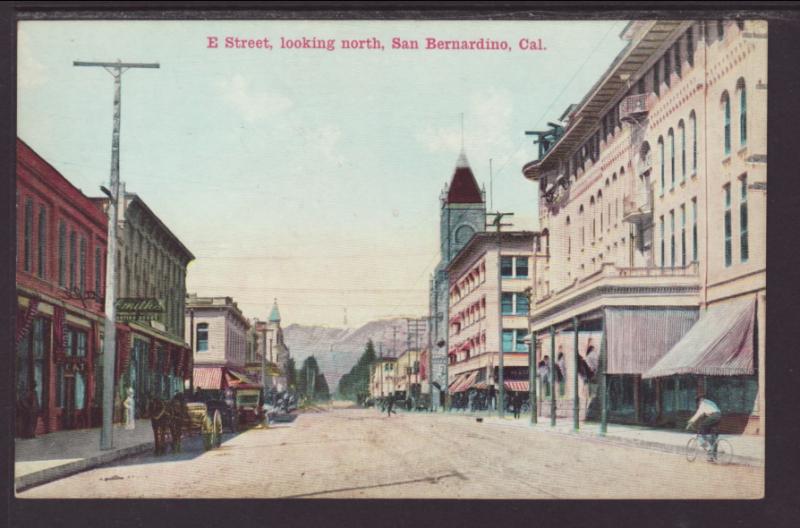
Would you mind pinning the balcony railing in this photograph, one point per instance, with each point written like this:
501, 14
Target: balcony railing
633, 105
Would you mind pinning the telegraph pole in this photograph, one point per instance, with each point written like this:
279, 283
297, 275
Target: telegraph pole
498, 223
116, 69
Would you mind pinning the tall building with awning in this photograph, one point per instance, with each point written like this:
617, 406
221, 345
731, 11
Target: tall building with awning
652, 206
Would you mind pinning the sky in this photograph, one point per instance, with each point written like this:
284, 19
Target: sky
306, 175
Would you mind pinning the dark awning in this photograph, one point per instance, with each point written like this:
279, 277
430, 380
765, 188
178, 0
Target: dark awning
637, 337
719, 344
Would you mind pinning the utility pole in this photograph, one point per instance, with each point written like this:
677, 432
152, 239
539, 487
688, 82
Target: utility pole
498, 223
116, 69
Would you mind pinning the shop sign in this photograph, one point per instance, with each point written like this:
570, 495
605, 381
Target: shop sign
137, 310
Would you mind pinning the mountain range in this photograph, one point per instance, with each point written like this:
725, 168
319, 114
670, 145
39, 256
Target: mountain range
338, 349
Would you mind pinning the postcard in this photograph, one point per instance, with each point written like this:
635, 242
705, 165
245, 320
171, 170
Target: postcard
421, 259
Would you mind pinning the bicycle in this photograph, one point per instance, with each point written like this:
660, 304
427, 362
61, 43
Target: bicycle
696, 445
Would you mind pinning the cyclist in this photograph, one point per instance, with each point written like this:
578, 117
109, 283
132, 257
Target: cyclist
707, 417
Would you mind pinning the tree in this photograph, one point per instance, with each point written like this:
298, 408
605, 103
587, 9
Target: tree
321, 390
356, 381
307, 378
291, 373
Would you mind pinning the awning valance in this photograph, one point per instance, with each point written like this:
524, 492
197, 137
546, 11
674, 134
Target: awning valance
209, 378
237, 379
719, 344
517, 386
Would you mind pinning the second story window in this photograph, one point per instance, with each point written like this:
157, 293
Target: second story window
728, 227
82, 275
521, 266
662, 163
98, 256
743, 241
514, 267
693, 122
671, 159
28, 241
742, 114
663, 246
682, 130
42, 241
514, 304
62, 254
690, 46
202, 337
73, 257
726, 110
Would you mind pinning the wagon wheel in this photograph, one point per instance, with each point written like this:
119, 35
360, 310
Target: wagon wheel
207, 430
217, 429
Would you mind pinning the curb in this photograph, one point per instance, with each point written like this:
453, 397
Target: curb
631, 442
37, 478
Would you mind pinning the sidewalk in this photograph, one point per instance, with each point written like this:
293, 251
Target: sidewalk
747, 449
55, 455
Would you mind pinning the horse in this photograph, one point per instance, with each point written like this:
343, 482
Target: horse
166, 416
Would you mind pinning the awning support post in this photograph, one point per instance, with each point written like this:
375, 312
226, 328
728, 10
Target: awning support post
532, 375
576, 405
603, 378
552, 376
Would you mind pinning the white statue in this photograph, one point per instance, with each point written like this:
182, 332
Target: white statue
130, 409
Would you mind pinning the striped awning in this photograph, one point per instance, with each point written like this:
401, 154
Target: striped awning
517, 386
480, 385
637, 338
239, 379
456, 381
719, 344
209, 378
467, 381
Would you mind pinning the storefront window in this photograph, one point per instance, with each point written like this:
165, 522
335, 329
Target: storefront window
80, 391
733, 394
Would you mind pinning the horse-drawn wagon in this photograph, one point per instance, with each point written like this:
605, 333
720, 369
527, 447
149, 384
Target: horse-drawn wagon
176, 418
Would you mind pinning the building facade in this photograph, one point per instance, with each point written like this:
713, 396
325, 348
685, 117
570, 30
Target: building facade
217, 331
653, 212
488, 314
382, 377
463, 213
154, 357
278, 351
408, 382
60, 282
260, 364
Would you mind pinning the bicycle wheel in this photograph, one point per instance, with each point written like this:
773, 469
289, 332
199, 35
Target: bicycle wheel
692, 449
724, 452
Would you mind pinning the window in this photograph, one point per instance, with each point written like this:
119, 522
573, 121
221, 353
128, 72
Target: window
83, 265
656, 80
682, 130
600, 210
662, 161
523, 307
507, 266
31, 361
677, 50
720, 29
520, 345
42, 241
98, 258
743, 242
683, 235
667, 68
663, 255
693, 120
522, 265
202, 337
728, 234
694, 230
671, 159
672, 238
508, 340
569, 240
726, 109
742, 114
507, 304
690, 46
62, 254
72, 259
28, 233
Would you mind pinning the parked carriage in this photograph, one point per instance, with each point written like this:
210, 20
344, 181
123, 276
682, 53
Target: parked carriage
198, 421
178, 418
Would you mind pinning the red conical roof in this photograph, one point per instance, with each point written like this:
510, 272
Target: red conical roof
463, 187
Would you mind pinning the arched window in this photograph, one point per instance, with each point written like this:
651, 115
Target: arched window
616, 202
693, 125
600, 209
583, 228
742, 112
726, 110
202, 337
671, 136
594, 220
682, 131
569, 239
661, 161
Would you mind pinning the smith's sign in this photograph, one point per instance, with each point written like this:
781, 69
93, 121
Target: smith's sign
131, 309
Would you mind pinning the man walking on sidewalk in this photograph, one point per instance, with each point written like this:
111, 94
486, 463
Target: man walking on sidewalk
390, 407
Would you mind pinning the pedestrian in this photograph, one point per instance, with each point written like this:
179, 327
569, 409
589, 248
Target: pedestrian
32, 406
516, 402
390, 407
